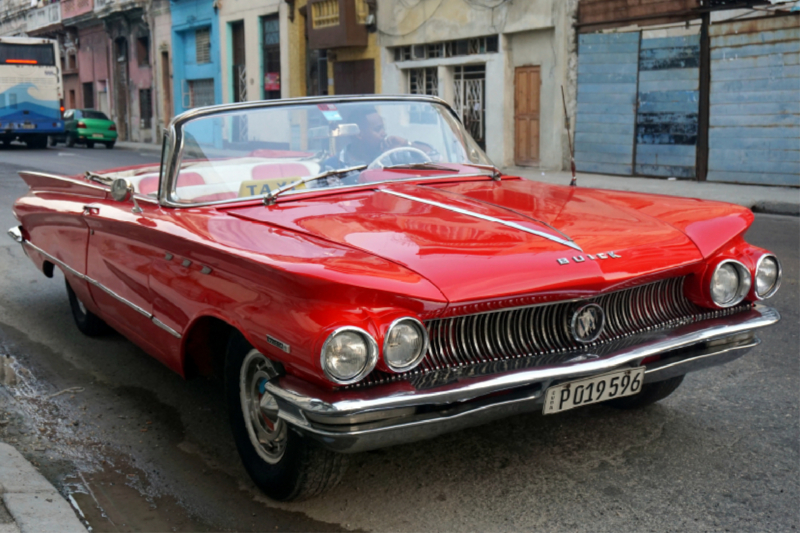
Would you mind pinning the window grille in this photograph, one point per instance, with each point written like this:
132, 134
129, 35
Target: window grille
146, 107
201, 92
325, 14
470, 87
423, 81
202, 45
461, 47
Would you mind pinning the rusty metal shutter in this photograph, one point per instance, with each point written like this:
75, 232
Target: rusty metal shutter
666, 120
606, 117
754, 134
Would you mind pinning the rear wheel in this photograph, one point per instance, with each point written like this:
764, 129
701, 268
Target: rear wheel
89, 144
52, 140
650, 394
37, 142
109, 144
88, 323
282, 463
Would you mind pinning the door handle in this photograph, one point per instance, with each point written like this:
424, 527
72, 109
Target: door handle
91, 209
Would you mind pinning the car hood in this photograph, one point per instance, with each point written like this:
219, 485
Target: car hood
474, 258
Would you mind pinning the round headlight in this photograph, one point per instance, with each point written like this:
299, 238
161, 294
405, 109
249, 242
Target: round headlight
767, 276
348, 355
730, 283
405, 344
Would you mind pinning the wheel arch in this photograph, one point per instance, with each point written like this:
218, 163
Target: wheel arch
205, 342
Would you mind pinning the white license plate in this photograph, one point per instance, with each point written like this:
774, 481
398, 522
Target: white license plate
592, 390
28, 126
97, 135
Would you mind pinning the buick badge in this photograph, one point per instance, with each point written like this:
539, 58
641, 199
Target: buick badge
587, 323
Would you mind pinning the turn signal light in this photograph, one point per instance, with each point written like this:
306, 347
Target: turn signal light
81, 124
112, 127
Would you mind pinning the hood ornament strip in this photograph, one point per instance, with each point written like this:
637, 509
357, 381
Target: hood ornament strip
553, 238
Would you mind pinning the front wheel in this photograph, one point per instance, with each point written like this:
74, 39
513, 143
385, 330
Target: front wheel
282, 463
70, 142
650, 394
88, 323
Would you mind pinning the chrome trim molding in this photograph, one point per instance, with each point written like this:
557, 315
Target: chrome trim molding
64, 178
372, 355
514, 225
775, 287
16, 234
353, 421
165, 327
105, 289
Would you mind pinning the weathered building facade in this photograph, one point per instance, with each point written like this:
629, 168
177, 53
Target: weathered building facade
689, 89
502, 65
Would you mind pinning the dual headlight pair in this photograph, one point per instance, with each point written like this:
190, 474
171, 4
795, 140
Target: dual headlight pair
350, 353
731, 281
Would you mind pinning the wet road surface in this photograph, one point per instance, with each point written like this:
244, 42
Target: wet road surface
138, 448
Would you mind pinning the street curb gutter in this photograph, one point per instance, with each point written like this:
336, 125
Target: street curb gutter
777, 208
31, 500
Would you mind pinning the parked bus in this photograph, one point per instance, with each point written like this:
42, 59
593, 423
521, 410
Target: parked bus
30, 90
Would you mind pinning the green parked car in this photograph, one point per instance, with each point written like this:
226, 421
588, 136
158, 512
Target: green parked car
86, 126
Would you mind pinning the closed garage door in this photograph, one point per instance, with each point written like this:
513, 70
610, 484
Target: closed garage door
754, 134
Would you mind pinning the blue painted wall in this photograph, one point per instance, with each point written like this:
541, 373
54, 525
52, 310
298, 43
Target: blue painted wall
606, 117
669, 97
754, 134
187, 17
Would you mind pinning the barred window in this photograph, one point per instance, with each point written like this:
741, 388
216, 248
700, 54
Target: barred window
201, 92
202, 45
462, 47
423, 81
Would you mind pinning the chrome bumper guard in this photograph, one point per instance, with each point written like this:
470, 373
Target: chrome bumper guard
16, 234
395, 413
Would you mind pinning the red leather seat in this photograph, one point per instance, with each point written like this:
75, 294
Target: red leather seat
149, 185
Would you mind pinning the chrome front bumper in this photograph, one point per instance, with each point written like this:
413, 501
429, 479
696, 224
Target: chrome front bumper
363, 419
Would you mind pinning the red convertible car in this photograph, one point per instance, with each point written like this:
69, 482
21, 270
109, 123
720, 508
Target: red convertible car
359, 275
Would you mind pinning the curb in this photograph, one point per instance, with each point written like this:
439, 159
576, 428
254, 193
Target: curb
143, 147
777, 208
35, 505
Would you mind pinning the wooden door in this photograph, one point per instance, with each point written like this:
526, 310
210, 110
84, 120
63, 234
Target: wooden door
527, 84
354, 77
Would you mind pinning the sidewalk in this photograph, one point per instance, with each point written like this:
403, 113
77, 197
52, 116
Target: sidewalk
28, 502
762, 199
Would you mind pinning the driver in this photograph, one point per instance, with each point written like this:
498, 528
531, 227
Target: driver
370, 142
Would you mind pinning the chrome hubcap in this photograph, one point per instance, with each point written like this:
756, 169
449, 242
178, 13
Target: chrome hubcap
267, 432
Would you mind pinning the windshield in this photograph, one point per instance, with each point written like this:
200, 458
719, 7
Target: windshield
253, 152
88, 113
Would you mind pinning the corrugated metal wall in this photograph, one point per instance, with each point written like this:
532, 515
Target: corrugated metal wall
607, 78
754, 134
666, 120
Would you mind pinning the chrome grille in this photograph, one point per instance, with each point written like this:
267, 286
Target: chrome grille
541, 334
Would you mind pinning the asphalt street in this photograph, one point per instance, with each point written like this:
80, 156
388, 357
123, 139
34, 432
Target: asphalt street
137, 448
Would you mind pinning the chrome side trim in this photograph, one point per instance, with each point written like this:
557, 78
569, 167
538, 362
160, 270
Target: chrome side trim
363, 400
165, 327
64, 178
514, 225
16, 234
102, 287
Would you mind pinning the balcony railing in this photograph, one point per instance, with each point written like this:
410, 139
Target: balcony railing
74, 8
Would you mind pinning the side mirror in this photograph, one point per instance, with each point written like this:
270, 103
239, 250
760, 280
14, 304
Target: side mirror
122, 191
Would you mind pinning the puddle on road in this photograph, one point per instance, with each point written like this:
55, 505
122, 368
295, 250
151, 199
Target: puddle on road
107, 493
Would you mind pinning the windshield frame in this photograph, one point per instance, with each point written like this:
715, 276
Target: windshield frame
174, 148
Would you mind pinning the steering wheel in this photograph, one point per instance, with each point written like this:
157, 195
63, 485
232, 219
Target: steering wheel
389, 158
